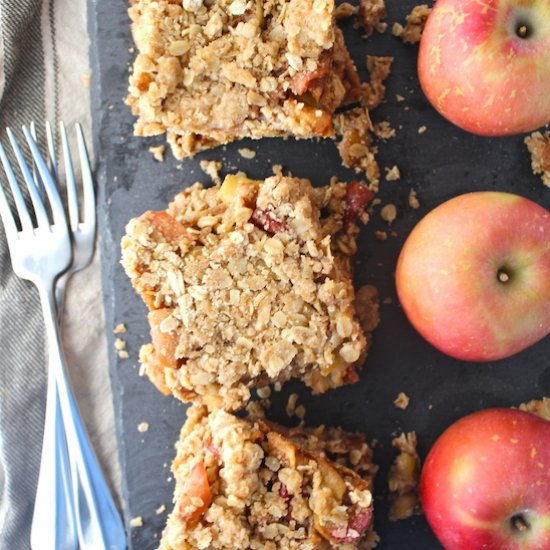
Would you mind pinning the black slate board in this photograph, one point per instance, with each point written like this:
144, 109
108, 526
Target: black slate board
439, 164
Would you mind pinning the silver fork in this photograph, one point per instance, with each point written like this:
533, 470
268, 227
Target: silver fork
40, 254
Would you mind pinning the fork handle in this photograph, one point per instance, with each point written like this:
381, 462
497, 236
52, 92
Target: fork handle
53, 516
97, 520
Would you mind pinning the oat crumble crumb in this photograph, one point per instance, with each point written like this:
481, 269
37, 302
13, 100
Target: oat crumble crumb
158, 152
381, 235
143, 427
422, 129
160, 510
402, 401
136, 522
370, 16
403, 478
393, 173
540, 407
399, 98
345, 10
388, 212
291, 404
120, 344
212, 169
264, 392
247, 153
538, 144
119, 329
416, 20
413, 199
374, 91
123, 354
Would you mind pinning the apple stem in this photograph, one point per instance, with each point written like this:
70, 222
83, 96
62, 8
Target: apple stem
522, 31
519, 523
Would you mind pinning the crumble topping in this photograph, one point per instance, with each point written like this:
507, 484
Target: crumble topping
371, 15
538, 144
402, 401
209, 73
374, 91
249, 484
411, 33
403, 478
250, 283
212, 168
540, 407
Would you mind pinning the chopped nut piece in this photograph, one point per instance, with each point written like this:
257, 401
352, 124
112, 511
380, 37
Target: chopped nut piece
538, 144
403, 478
158, 152
247, 153
393, 173
402, 401
413, 199
212, 168
119, 329
388, 213
136, 522
416, 20
143, 427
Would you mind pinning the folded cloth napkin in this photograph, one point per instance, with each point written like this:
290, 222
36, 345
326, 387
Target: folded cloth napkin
44, 75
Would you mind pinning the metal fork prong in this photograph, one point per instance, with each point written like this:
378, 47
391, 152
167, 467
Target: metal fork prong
51, 189
72, 196
87, 178
18, 199
52, 159
38, 203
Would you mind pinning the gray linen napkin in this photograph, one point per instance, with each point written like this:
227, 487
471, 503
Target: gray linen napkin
44, 75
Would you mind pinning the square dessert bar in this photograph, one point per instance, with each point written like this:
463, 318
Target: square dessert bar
248, 484
250, 283
214, 71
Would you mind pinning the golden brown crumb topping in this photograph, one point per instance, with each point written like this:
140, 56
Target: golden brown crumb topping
248, 484
210, 72
371, 15
250, 283
540, 407
416, 20
538, 144
403, 478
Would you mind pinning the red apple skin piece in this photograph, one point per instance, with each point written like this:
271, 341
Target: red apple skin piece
447, 275
478, 73
482, 471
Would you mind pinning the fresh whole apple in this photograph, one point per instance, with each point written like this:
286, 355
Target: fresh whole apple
485, 483
485, 64
473, 276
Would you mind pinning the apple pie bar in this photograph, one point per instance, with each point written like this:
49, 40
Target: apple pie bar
248, 484
214, 71
250, 283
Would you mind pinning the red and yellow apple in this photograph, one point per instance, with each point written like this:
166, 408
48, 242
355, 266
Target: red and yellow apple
473, 276
485, 64
485, 483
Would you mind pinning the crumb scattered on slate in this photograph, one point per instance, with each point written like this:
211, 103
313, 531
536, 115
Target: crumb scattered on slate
136, 522
143, 427
402, 401
158, 152
393, 173
247, 153
120, 329
416, 20
538, 144
388, 212
413, 199
422, 129
212, 169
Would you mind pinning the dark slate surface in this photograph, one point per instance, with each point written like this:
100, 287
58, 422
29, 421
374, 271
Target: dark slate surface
439, 164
